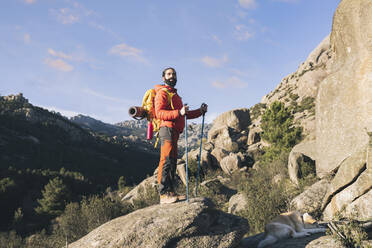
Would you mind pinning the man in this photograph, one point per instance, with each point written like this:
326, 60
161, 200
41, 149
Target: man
171, 111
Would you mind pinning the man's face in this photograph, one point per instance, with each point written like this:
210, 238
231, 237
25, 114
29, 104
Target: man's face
170, 77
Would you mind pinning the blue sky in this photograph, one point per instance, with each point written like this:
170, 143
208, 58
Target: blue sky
97, 57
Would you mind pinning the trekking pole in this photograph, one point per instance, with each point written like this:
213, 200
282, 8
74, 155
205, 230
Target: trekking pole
187, 163
201, 142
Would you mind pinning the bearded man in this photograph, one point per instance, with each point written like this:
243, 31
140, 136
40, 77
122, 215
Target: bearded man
171, 111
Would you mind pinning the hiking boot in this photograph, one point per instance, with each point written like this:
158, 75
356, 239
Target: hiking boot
179, 197
168, 198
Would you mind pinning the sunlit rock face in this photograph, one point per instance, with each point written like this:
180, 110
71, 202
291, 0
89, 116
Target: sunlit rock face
344, 101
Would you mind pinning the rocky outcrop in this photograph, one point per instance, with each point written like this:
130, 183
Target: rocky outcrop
350, 187
299, 89
228, 136
237, 203
311, 199
302, 151
238, 119
344, 102
230, 163
228, 129
193, 224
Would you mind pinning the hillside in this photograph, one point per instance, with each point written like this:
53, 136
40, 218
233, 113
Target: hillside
37, 145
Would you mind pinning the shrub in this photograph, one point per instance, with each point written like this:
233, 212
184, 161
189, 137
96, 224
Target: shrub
146, 198
278, 130
11, 240
55, 196
266, 199
255, 111
293, 97
350, 234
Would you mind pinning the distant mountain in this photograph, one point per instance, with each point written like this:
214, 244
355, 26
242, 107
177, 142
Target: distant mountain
135, 131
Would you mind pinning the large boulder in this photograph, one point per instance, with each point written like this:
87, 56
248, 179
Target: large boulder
254, 136
348, 172
231, 163
237, 203
238, 119
218, 154
361, 207
224, 137
193, 224
230, 130
310, 200
302, 151
344, 102
352, 193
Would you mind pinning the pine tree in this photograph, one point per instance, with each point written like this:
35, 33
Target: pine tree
278, 130
55, 196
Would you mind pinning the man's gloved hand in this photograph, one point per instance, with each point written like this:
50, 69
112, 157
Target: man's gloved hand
184, 110
204, 108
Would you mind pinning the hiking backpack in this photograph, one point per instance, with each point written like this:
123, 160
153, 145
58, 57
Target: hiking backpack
148, 105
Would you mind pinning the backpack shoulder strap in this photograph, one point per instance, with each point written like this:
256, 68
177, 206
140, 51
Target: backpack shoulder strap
170, 96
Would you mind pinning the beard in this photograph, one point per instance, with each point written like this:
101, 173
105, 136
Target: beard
171, 82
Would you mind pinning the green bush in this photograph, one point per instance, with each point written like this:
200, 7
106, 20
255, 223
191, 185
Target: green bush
278, 130
352, 234
55, 196
256, 110
11, 240
293, 97
266, 199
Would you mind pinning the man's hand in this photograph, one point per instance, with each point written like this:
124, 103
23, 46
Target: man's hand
184, 110
204, 108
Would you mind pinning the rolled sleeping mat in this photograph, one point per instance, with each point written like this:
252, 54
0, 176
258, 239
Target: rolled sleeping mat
137, 112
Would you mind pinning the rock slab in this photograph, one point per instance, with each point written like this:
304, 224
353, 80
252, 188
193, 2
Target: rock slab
193, 224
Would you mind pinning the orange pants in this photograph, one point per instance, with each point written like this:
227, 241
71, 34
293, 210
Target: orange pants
168, 159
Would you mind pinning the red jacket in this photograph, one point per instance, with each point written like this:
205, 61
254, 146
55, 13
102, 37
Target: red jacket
171, 117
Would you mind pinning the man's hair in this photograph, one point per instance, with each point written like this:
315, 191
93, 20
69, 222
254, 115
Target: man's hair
166, 69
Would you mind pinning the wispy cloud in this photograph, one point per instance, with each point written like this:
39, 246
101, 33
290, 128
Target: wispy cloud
248, 4
59, 54
242, 32
65, 15
62, 55
72, 14
232, 82
59, 64
30, 1
214, 62
105, 97
27, 38
125, 50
